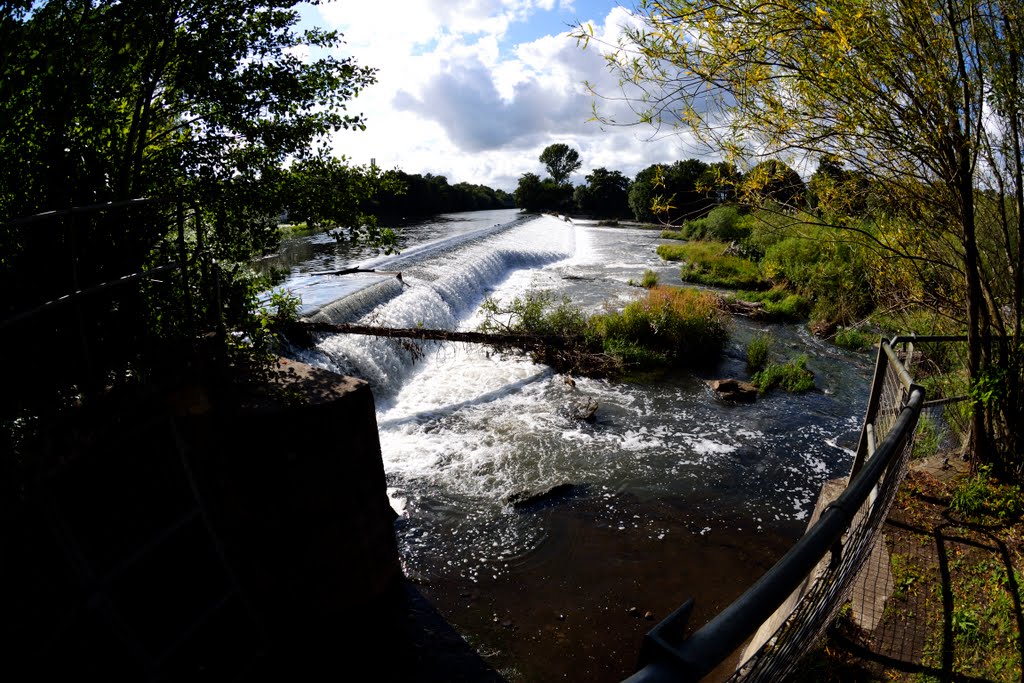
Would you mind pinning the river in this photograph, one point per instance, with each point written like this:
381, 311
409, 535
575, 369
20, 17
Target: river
671, 494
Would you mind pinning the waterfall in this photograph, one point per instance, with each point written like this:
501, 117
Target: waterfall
442, 285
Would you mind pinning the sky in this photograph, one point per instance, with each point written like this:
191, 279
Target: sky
475, 89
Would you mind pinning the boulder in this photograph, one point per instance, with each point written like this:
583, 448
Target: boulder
585, 410
527, 499
733, 390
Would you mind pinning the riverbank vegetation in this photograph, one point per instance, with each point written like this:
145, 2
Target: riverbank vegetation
667, 326
914, 208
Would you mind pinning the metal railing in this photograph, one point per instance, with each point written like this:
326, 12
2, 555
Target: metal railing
85, 311
783, 615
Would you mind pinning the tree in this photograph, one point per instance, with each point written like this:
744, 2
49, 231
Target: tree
605, 194
327, 192
773, 181
205, 101
561, 160
837, 189
921, 99
534, 194
672, 193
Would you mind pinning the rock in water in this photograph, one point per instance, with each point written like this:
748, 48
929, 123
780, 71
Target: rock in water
585, 410
733, 390
526, 499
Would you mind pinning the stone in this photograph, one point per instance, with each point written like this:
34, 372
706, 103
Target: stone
585, 410
733, 390
526, 499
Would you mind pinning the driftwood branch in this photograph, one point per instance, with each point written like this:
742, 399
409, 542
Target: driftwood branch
564, 353
526, 341
749, 309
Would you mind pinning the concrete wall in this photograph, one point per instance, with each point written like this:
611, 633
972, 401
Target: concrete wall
178, 537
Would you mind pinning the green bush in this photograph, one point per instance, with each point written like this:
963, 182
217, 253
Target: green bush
668, 325
650, 279
672, 235
823, 264
726, 223
792, 376
855, 340
708, 263
759, 350
681, 325
533, 313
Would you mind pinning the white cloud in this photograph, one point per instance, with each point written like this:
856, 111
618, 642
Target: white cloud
453, 97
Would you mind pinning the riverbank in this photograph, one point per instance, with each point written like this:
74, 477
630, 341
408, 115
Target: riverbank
958, 586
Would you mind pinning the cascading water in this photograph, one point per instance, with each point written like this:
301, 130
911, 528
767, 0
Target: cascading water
664, 474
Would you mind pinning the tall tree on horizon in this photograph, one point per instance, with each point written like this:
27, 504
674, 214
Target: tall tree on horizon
561, 160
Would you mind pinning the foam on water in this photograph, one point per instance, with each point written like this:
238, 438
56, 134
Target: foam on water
463, 428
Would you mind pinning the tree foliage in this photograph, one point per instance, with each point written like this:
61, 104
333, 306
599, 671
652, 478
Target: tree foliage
534, 194
416, 195
920, 99
561, 161
606, 194
201, 102
673, 193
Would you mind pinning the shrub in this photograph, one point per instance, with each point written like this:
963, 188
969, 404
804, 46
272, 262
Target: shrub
855, 340
708, 263
726, 223
668, 325
672, 235
825, 268
533, 313
759, 350
650, 279
683, 325
792, 376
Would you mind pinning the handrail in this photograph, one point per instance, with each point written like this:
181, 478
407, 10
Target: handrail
666, 656
73, 296
89, 208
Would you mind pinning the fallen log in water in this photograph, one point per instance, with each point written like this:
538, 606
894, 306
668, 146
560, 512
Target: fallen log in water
564, 353
750, 309
422, 333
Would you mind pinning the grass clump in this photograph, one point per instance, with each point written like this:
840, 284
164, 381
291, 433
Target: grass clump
759, 351
779, 303
708, 263
672, 235
792, 376
671, 325
668, 326
649, 279
855, 340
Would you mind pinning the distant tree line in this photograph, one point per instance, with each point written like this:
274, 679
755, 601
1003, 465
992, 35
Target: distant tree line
668, 193
424, 195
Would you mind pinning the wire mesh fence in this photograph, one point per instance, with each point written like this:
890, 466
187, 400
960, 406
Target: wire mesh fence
839, 557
